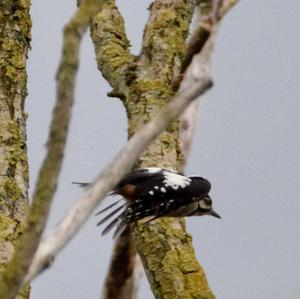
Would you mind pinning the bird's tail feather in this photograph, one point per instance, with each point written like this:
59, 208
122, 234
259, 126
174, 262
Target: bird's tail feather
108, 207
109, 227
120, 228
81, 184
85, 185
110, 215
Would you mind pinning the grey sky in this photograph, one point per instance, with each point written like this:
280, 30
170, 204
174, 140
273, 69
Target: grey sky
247, 144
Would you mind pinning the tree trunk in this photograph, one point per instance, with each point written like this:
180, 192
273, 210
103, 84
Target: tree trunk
145, 85
15, 26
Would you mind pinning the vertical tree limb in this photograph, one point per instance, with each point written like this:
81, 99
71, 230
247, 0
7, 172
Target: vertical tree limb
15, 35
112, 47
124, 271
150, 87
147, 91
200, 48
114, 60
12, 279
163, 245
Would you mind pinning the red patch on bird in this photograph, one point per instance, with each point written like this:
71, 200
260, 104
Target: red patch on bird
128, 191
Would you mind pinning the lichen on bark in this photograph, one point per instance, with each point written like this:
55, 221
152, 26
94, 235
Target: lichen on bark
15, 26
112, 45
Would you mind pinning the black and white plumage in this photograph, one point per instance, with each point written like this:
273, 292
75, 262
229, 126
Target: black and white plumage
156, 192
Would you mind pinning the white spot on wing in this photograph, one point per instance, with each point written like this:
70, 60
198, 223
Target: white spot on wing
175, 180
151, 192
163, 190
156, 187
153, 169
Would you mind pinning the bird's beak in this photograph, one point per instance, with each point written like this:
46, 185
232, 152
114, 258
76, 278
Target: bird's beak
215, 214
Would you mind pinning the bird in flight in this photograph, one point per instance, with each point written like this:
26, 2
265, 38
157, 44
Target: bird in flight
156, 192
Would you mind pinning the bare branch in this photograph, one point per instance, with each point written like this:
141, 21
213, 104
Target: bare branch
122, 281
111, 47
195, 45
206, 22
121, 164
12, 279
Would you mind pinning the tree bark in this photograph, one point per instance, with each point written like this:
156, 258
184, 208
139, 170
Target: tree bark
15, 28
12, 279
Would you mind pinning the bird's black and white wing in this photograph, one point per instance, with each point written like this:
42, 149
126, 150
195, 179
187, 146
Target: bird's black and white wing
162, 183
154, 192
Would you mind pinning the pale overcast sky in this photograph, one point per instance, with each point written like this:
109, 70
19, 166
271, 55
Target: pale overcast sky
247, 144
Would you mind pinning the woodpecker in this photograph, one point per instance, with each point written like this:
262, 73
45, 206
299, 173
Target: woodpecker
156, 192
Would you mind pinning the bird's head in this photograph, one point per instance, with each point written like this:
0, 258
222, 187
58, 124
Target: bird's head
205, 207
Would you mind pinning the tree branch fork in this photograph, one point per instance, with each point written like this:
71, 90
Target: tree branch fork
117, 75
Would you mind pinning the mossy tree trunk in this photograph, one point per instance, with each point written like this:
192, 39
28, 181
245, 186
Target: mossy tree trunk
15, 26
145, 84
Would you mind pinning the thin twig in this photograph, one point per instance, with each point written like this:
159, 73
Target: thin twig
120, 282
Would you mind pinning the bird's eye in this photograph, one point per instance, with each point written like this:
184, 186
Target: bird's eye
208, 201
205, 203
